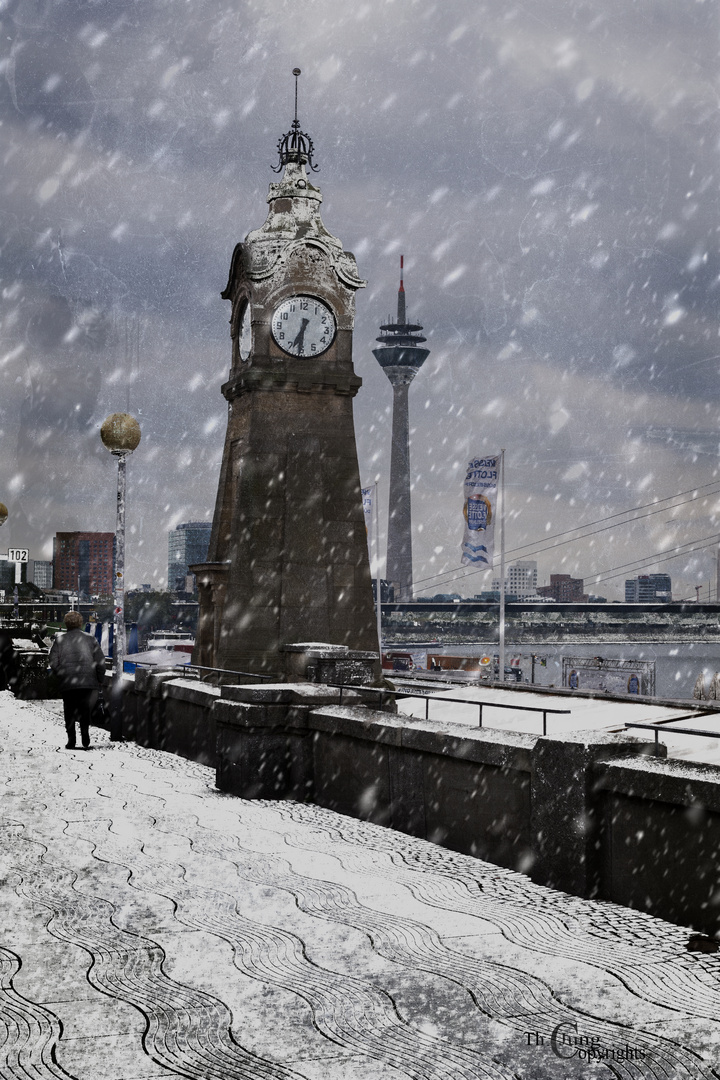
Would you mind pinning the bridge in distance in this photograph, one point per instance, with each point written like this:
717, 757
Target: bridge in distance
515, 607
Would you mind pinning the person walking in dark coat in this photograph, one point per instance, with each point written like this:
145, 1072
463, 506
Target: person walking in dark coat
79, 663
8, 662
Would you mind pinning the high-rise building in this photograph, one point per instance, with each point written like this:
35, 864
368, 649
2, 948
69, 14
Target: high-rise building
187, 545
564, 589
520, 580
83, 562
42, 573
648, 588
400, 357
7, 575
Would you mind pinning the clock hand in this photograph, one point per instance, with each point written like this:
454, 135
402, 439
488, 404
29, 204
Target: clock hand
300, 339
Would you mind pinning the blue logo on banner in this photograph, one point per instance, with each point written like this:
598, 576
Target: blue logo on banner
477, 511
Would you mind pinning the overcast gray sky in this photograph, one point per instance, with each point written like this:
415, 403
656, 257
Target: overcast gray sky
548, 169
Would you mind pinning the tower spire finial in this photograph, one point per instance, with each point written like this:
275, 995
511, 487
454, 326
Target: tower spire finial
295, 146
297, 73
401, 296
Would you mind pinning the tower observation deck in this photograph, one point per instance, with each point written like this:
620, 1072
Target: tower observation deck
400, 356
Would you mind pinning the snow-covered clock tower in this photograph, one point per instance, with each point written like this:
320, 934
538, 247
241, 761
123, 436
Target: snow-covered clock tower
288, 557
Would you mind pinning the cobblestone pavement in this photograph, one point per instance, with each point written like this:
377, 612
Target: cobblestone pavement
155, 927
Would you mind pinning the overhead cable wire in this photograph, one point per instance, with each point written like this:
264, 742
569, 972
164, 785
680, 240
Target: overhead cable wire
646, 561
538, 550
659, 509
703, 543
452, 574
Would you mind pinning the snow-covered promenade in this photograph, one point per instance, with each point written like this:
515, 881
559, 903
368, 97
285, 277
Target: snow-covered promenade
155, 927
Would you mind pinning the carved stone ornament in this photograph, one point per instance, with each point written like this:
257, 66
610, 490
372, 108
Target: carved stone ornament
293, 223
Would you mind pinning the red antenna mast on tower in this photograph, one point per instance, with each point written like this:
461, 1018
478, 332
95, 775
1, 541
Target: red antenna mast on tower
401, 296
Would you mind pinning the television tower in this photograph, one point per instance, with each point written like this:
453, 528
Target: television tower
400, 357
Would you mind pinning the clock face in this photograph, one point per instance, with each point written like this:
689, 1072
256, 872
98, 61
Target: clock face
303, 326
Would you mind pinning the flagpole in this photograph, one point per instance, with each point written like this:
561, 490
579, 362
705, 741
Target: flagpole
378, 594
501, 517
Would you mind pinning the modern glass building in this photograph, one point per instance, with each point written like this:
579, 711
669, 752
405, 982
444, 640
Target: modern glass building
7, 575
187, 544
648, 588
42, 574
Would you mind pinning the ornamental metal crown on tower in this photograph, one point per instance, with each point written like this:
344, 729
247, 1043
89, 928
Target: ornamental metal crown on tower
288, 559
295, 145
401, 357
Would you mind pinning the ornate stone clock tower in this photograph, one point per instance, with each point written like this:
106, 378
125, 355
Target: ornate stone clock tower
288, 558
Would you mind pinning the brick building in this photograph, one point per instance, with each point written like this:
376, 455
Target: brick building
83, 562
564, 589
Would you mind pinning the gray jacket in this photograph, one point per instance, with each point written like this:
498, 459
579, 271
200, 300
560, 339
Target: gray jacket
77, 660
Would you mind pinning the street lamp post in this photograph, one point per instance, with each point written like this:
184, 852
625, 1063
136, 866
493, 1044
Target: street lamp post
120, 433
3, 514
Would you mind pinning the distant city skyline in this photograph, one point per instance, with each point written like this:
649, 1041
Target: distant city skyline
187, 544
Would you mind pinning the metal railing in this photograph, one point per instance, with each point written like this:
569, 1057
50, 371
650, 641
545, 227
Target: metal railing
659, 724
226, 671
189, 669
456, 700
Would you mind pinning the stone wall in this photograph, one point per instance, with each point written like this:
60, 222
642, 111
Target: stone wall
165, 712
661, 838
594, 814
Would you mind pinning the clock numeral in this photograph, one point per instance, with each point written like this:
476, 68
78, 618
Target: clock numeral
281, 336
313, 347
304, 305
285, 315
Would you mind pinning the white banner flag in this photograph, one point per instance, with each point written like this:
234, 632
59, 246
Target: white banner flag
367, 498
479, 509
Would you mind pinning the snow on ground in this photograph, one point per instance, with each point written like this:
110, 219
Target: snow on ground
156, 926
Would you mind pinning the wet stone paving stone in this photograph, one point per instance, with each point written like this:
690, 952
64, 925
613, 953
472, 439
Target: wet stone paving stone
152, 926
